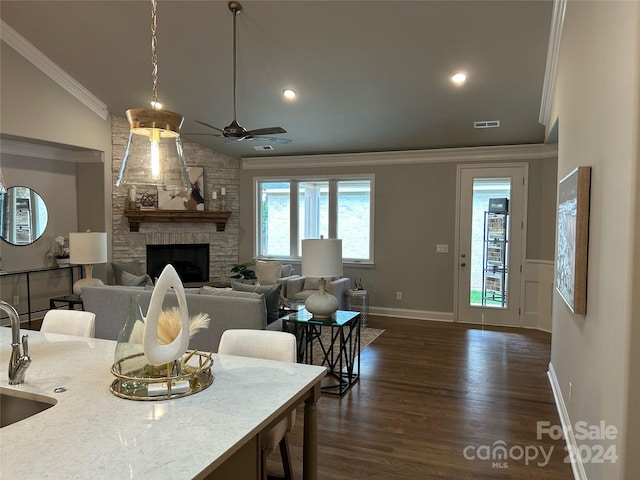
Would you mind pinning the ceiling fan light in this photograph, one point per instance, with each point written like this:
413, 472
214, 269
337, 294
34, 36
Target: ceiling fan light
154, 154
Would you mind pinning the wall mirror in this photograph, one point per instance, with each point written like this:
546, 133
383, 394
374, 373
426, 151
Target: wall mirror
23, 216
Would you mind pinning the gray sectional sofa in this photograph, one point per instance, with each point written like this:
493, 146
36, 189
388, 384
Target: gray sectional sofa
227, 309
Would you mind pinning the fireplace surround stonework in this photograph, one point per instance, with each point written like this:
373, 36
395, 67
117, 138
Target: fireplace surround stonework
219, 171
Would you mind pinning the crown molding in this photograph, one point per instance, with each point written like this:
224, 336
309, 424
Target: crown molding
57, 74
442, 155
32, 150
553, 53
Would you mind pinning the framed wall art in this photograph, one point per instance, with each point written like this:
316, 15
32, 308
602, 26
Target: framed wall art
170, 200
573, 238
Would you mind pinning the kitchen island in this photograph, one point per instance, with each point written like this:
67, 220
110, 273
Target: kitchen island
91, 434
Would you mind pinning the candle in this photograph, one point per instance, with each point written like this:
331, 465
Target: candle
214, 195
223, 191
132, 194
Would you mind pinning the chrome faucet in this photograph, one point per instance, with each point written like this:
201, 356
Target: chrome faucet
19, 361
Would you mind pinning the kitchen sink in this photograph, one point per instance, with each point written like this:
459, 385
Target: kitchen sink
16, 405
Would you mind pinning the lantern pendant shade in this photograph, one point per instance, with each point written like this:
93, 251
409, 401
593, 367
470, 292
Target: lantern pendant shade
154, 153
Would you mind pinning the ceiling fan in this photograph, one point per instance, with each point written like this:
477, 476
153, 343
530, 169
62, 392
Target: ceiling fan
234, 131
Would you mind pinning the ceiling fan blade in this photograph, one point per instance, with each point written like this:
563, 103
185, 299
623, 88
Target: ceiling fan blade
266, 131
281, 141
208, 125
188, 134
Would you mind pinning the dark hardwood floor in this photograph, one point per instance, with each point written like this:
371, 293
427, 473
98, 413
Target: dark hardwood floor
436, 401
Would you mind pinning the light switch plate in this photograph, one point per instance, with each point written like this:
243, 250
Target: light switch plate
442, 248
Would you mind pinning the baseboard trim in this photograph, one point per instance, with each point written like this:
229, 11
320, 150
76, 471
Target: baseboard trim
576, 464
414, 314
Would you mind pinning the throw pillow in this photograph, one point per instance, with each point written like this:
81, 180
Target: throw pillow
287, 271
268, 273
311, 283
132, 267
134, 280
271, 296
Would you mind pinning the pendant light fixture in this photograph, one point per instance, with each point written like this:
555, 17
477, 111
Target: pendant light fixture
154, 153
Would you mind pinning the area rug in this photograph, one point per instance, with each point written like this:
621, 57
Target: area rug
367, 336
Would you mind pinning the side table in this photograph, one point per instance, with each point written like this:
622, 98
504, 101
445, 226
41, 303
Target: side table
339, 350
69, 300
358, 300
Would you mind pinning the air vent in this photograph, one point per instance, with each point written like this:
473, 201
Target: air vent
263, 148
487, 124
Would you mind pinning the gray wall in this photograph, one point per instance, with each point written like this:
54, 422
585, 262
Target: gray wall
597, 107
414, 211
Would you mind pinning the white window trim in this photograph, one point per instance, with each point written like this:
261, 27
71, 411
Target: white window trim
293, 215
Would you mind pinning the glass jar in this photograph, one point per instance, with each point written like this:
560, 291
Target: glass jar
129, 359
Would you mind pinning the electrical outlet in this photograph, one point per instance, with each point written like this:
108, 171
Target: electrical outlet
398, 295
16, 300
442, 248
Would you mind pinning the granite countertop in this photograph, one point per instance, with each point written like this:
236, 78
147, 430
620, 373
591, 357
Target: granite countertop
90, 433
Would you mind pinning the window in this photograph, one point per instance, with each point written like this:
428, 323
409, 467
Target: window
291, 210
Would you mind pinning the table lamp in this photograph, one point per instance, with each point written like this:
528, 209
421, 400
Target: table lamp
87, 249
322, 258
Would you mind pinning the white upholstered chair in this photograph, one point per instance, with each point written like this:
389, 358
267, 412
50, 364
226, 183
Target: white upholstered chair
69, 322
270, 345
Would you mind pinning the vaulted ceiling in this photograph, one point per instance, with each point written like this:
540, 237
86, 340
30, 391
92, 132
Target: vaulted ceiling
371, 76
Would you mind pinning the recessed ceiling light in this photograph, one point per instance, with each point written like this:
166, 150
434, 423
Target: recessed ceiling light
289, 93
459, 78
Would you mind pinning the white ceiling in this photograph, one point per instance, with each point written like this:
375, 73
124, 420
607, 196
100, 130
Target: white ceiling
371, 76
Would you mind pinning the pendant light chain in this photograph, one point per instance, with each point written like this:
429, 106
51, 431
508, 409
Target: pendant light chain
154, 53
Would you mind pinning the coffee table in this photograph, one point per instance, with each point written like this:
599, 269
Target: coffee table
340, 351
68, 300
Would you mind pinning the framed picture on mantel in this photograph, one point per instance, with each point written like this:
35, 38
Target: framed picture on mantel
170, 200
573, 239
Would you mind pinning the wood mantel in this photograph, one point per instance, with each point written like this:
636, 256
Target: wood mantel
136, 217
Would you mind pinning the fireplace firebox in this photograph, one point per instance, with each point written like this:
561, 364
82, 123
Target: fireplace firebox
191, 261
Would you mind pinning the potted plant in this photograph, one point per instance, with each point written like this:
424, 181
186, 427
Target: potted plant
244, 273
59, 251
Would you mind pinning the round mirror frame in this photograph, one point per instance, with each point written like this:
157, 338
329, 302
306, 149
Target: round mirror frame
27, 220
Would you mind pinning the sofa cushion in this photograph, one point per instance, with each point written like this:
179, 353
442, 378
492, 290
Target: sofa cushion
271, 296
131, 280
229, 292
268, 273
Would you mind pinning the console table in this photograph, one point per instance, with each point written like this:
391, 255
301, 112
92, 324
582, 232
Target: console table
35, 271
340, 351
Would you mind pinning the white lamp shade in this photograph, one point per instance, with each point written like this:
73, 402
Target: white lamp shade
322, 258
87, 248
